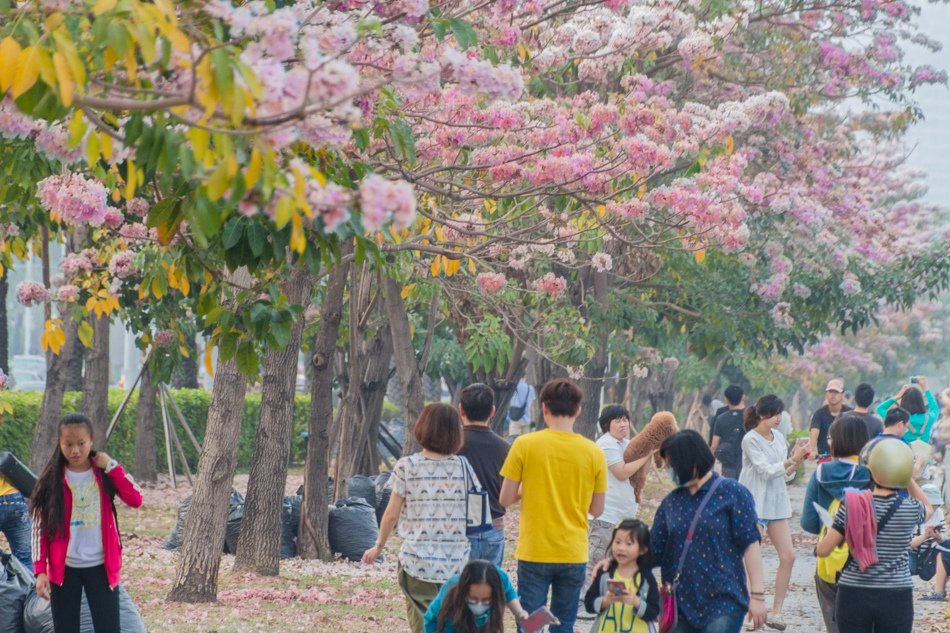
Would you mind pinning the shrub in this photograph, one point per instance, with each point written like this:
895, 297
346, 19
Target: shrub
16, 429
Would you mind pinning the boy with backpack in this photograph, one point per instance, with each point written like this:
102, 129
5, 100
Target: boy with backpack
727, 433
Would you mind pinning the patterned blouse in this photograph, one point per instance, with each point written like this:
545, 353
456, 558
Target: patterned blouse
432, 521
712, 582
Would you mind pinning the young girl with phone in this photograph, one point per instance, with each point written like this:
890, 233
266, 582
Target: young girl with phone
76, 541
626, 596
474, 601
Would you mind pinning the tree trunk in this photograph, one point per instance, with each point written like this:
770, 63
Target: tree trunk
197, 572
407, 365
44, 436
661, 396
146, 464
4, 326
185, 373
592, 384
312, 539
74, 377
95, 395
258, 547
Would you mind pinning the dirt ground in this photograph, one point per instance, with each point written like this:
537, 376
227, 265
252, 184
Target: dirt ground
320, 597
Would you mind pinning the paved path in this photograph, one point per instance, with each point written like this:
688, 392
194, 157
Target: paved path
801, 611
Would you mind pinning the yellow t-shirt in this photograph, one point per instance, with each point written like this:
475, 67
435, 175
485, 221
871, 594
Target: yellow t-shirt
6, 488
620, 617
559, 473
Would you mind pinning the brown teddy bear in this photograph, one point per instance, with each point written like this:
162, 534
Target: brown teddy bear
661, 426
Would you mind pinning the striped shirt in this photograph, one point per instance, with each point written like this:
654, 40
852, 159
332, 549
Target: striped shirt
893, 542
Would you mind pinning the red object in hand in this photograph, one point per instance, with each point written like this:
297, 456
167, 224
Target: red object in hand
537, 620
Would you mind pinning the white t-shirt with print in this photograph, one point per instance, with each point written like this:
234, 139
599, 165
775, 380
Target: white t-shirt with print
85, 522
432, 521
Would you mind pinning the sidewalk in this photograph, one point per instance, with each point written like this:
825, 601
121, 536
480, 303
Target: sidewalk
801, 612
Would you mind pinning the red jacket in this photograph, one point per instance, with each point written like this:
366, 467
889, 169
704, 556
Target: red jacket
49, 554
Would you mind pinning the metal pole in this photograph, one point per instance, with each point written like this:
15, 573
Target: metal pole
181, 418
125, 402
178, 448
168, 440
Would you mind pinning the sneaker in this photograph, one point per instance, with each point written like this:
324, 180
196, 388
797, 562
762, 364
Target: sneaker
749, 626
936, 596
775, 621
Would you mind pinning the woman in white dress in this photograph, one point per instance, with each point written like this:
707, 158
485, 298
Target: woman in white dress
765, 465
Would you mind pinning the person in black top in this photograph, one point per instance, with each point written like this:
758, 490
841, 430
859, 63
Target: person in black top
863, 397
728, 432
822, 418
486, 452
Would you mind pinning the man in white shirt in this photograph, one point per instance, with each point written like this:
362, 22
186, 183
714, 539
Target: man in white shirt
519, 409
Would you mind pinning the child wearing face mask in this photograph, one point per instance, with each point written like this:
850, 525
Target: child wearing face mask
474, 601
636, 608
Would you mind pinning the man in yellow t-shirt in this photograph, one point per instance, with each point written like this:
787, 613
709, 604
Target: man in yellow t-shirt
559, 477
15, 522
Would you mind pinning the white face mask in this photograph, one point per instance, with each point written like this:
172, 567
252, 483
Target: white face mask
477, 608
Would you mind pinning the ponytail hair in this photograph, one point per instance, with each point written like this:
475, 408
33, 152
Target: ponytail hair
766, 407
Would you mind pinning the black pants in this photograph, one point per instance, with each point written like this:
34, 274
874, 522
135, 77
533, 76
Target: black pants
860, 610
103, 601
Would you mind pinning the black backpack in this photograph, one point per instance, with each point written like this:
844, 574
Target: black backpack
731, 431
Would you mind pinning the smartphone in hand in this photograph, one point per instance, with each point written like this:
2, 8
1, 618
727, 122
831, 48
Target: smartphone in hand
538, 620
616, 587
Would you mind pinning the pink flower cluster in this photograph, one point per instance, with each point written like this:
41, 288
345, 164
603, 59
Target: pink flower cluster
53, 142
490, 283
165, 337
13, 123
67, 293
551, 284
601, 262
122, 265
74, 198
480, 77
76, 264
137, 207
383, 200
330, 202
30, 293
781, 315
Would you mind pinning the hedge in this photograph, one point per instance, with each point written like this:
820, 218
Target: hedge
16, 429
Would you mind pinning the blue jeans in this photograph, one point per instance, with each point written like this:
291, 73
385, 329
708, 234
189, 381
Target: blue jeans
16, 526
564, 580
725, 623
489, 545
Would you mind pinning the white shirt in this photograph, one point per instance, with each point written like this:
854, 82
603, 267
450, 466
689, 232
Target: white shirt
763, 473
619, 502
85, 522
523, 397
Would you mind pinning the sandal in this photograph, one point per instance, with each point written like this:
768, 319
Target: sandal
936, 596
775, 621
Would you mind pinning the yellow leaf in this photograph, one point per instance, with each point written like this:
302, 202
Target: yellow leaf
131, 66
109, 58
471, 266
130, 181
451, 266
407, 290
85, 333
116, 195
183, 284
92, 150
209, 365
54, 21
9, 57
105, 143
700, 255
199, 142
730, 145
253, 173
183, 351
436, 265
218, 182
298, 242
77, 127
283, 212
103, 6
27, 72
157, 291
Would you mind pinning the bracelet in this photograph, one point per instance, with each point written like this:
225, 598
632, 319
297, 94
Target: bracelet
758, 598
756, 593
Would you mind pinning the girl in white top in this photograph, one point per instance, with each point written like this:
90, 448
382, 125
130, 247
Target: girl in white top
765, 465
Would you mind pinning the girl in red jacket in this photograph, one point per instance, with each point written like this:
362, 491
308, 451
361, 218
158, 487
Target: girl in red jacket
76, 542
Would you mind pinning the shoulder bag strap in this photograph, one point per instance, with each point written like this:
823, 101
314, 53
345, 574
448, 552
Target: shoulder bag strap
890, 513
692, 528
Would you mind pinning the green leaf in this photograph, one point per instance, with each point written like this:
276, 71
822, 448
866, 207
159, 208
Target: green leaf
233, 232
463, 32
85, 333
438, 28
161, 214
280, 331
257, 239
361, 138
400, 135
247, 359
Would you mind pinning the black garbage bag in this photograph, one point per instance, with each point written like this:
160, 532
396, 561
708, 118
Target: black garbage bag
15, 584
352, 528
329, 489
362, 486
17, 473
178, 532
383, 492
289, 526
234, 522
38, 617
235, 518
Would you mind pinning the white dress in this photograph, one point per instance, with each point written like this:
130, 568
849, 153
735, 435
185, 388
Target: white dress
763, 473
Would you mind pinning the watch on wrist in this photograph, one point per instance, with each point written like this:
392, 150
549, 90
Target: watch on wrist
111, 465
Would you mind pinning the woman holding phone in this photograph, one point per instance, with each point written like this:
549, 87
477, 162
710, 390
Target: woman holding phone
765, 466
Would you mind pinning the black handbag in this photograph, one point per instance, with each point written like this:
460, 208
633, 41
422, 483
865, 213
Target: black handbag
17, 473
922, 561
